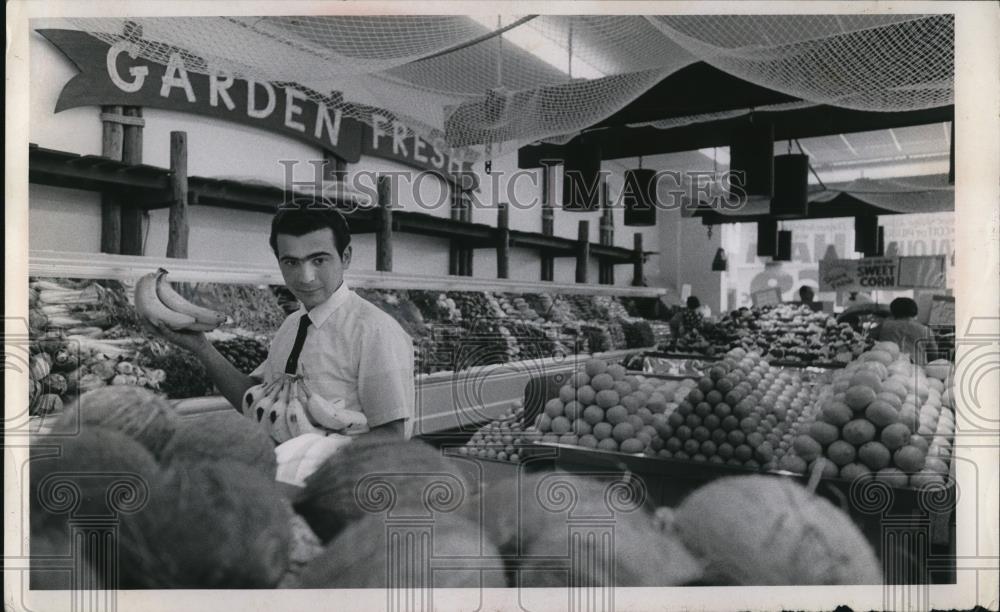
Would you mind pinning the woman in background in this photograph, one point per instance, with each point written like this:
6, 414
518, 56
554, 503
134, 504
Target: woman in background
688, 319
912, 336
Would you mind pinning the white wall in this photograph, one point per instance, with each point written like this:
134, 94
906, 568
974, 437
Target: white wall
70, 220
64, 219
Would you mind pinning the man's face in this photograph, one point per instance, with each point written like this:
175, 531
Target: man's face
310, 265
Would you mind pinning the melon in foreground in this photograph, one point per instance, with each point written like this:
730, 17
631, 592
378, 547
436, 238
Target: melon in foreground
761, 530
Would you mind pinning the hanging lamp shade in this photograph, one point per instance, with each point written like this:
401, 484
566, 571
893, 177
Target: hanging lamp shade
866, 234
639, 197
582, 177
791, 186
784, 250
767, 237
720, 263
751, 156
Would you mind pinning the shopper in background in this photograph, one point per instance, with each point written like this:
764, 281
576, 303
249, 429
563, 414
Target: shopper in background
806, 295
345, 347
902, 328
688, 319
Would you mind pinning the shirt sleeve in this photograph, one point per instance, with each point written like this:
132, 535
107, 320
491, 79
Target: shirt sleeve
385, 376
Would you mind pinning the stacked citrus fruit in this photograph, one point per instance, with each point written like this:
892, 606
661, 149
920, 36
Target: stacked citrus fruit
739, 414
602, 407
882, 415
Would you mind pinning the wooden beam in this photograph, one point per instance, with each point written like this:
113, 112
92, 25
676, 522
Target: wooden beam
583, 251
177, 236
132, 217
111, 214
503, 241
640, 260
383, 235
335, 168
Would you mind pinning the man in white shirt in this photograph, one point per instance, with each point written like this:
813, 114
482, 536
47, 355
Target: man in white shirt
346, 349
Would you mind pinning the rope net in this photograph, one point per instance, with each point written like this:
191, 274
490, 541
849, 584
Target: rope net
485, 81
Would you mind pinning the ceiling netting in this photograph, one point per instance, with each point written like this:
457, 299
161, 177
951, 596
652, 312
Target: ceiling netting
484, 82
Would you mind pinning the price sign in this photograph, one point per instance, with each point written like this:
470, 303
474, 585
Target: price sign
766, 297
942, 311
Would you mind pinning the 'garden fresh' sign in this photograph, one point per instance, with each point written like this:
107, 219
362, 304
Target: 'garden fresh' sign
116, 75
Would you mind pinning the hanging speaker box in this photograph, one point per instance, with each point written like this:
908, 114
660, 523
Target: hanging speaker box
784, 250
751, 157
582, 177
639, 197
866, 234
767, 238
791, 186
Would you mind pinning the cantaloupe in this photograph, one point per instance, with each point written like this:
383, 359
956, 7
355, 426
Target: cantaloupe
73, 474
135, 411
808, 541
217, 524
222, 435
547, 506
374, 473
374, 553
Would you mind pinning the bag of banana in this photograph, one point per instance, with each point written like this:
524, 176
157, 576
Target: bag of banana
158, 303
286, 409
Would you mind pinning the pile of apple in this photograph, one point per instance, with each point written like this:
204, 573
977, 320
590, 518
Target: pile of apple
602, 407
738, 414
882, 415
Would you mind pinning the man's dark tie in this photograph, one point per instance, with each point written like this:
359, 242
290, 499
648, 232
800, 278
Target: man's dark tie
300, 338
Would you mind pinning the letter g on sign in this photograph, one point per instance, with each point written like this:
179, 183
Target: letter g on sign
138, 72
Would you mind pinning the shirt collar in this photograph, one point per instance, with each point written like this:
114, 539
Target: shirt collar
321, 313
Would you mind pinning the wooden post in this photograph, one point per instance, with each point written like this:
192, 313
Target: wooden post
383, 235
637, 274
111, 215
607, 236
583, 251
132, 215
467, 251
177, 238
503, 241
548, 222
455, 260
335, 168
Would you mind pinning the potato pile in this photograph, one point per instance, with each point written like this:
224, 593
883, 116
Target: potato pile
882, 415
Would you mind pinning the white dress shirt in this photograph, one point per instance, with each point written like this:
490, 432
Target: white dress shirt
353, 351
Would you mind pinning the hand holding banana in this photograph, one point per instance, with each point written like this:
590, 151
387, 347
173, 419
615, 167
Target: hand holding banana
160, 305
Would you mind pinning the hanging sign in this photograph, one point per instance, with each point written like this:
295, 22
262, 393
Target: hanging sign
886, 273
116, 75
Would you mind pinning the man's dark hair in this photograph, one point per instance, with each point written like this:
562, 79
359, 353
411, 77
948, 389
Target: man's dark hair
903, 307
693, 302
806, 293
299, 218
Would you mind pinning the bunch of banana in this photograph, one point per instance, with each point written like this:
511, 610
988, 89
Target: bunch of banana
158, 303
286, 409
